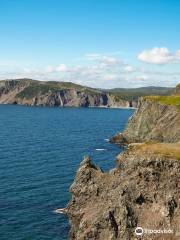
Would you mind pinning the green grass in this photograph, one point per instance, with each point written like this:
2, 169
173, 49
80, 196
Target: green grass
168, 100
134, 93
36, 88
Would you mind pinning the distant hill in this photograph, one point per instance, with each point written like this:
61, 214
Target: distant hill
52, 93
135, 93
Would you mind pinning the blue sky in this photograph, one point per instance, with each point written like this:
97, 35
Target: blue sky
99, 43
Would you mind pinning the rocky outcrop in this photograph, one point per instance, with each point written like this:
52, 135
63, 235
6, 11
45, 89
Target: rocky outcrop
177, 89
152, 121
73, 98
142, 191
10, 89
35, 93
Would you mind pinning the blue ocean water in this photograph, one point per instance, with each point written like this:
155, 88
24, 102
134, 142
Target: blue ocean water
40, 151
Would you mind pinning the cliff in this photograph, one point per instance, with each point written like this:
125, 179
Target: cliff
50, 93
141, 191
177, 89
156, 119
39, 93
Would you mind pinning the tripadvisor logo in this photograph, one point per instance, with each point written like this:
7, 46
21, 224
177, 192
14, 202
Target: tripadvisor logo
139, 231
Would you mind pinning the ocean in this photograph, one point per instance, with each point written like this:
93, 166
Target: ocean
40, 151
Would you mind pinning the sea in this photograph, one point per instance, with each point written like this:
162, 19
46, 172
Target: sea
40, 151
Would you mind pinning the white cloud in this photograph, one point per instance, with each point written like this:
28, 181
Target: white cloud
110, 77
159, 56
142, 77
61, 68
50, 69
110, 60
104, 59
128, 68
178, 54
106, 71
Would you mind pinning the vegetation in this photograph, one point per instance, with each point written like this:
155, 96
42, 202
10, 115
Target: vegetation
130, 94
169, 100
166, 149
36, 88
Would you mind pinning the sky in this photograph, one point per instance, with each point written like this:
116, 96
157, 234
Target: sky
98, 43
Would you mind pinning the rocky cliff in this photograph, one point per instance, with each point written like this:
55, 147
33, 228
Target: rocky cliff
36, 93
142, 190
156, 119
177, 89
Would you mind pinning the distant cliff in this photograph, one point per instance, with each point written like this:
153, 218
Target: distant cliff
39, 93
177, 89
49, 93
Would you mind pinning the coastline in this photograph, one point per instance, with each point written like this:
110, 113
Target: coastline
114, 203
105, 107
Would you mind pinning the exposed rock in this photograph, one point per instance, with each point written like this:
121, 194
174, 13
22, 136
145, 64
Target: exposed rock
59, 94
153, 121
141, 191
177, 89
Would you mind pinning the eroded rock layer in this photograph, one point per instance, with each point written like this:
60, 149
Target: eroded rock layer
141, 191
153, 121
59, 94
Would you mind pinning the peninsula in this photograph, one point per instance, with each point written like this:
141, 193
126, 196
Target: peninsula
66, 94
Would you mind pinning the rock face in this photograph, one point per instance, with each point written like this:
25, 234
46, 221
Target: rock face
141, 191
177, 89
35, 93
153, 121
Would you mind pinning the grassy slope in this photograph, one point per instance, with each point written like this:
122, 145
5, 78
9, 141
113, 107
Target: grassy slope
135, 93
168, 100
40, 88
35, 88
171, 150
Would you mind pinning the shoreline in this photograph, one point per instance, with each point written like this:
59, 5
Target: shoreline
105, 107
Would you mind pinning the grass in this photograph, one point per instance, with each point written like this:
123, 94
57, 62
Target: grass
36, 88
166, 149
168, 100
134, 93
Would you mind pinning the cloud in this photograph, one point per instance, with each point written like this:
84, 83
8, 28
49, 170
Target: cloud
129, 68
142, 78
106, 71
50, 69
61, 68
159, 56
103, 59
110, 77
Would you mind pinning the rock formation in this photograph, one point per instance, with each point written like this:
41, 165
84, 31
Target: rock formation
36, 93
153, 121
142, 190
